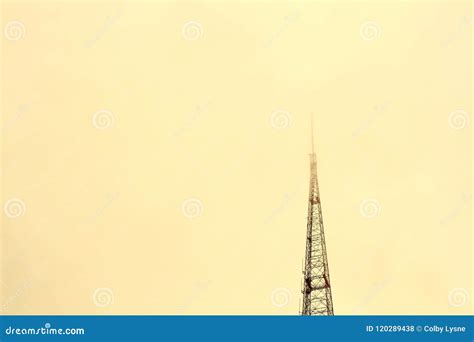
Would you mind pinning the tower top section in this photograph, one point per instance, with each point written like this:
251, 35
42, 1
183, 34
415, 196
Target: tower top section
312, 135
312, 155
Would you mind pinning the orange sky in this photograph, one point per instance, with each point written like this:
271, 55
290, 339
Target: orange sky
155, 155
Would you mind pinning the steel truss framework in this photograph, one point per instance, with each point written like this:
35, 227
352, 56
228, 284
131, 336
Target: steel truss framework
316, 289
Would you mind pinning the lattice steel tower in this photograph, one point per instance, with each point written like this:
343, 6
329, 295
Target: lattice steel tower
317, 298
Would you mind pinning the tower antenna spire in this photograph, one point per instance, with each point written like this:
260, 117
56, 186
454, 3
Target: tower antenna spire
312, 134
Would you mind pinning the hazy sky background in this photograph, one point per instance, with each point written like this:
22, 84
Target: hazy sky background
155, 155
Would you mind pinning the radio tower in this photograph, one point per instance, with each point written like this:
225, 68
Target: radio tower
317, 298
